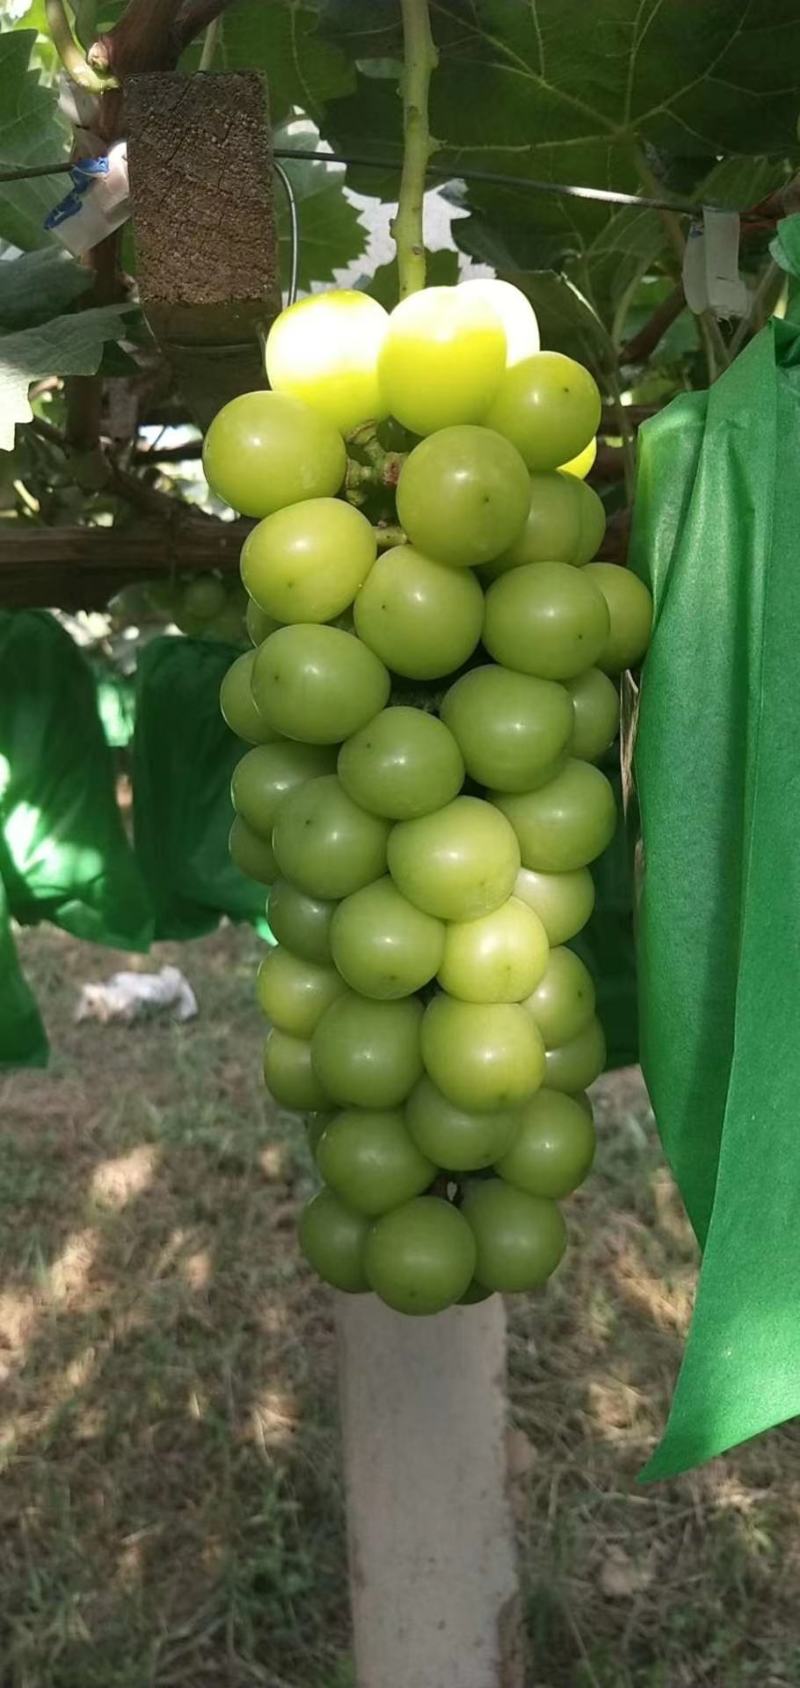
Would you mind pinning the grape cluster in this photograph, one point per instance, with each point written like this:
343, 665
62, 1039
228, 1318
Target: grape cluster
206, 607
421, 793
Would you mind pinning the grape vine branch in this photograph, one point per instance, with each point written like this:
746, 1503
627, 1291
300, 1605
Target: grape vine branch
420, 60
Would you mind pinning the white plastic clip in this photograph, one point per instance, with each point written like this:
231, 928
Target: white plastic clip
98, 201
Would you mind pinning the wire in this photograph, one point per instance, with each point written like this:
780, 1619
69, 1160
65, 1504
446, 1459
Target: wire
441, 172
23, 172
294, 260
564, 190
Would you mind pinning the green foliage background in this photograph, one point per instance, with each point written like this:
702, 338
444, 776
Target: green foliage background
701, 98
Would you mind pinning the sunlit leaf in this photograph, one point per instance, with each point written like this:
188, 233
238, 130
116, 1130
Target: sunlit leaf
68, 345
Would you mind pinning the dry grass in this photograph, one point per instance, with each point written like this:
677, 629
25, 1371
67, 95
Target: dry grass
170, 1506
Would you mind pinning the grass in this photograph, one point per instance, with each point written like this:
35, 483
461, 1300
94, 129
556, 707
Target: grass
170, 1497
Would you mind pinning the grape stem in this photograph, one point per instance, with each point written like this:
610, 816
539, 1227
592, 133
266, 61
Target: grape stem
388, 534
420, 61
68, 50
382, 471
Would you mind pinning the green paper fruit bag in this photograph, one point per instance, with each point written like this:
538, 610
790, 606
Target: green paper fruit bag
64, 856
717, 764
183, 758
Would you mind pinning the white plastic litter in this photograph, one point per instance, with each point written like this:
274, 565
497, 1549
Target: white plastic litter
136, 996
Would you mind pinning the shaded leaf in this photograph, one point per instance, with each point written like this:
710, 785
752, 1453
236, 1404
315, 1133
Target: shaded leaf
363, 29
39, 285
567, 320
442, 271
332, 236
30, 133
785, 248
692, 78
303, 69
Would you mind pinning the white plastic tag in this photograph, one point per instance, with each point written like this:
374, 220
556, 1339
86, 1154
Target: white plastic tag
694, 269
727, 293
711, 279
98, 201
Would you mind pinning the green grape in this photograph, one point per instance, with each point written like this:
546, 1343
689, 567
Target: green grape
251, 854
547, 619
512, 730
565, 524
463, 495
514, 311
266, 450
519, 1238
564, 999
266, 774
499, 958
306, 563
548, 406
482, 1056
318, 684
382, 945
367, 1054
456, 1138
301, 922
187, 624
630, 610
324, 843
403, 764
553, 1149
563, 901
441, 360
294, 993
456, 864
333, 1241
420, 1258
575, 1065
259, 626
474, 1293
420, 617
203, 599
324, 350
369, 1159
237, 703
563, 825
595, 704
228, 626
289, 1075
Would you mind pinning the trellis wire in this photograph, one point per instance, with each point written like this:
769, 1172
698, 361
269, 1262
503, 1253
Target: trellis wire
440, 172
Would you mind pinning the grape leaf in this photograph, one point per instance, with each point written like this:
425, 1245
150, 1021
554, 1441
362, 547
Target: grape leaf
31, 132
331, 230
785, 248
365, 30
332, 235
441, 271
567, 319
303, 69
39, 285
715, 78
530, 90
67, 345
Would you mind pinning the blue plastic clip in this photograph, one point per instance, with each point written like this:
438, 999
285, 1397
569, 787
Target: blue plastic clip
82, 174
